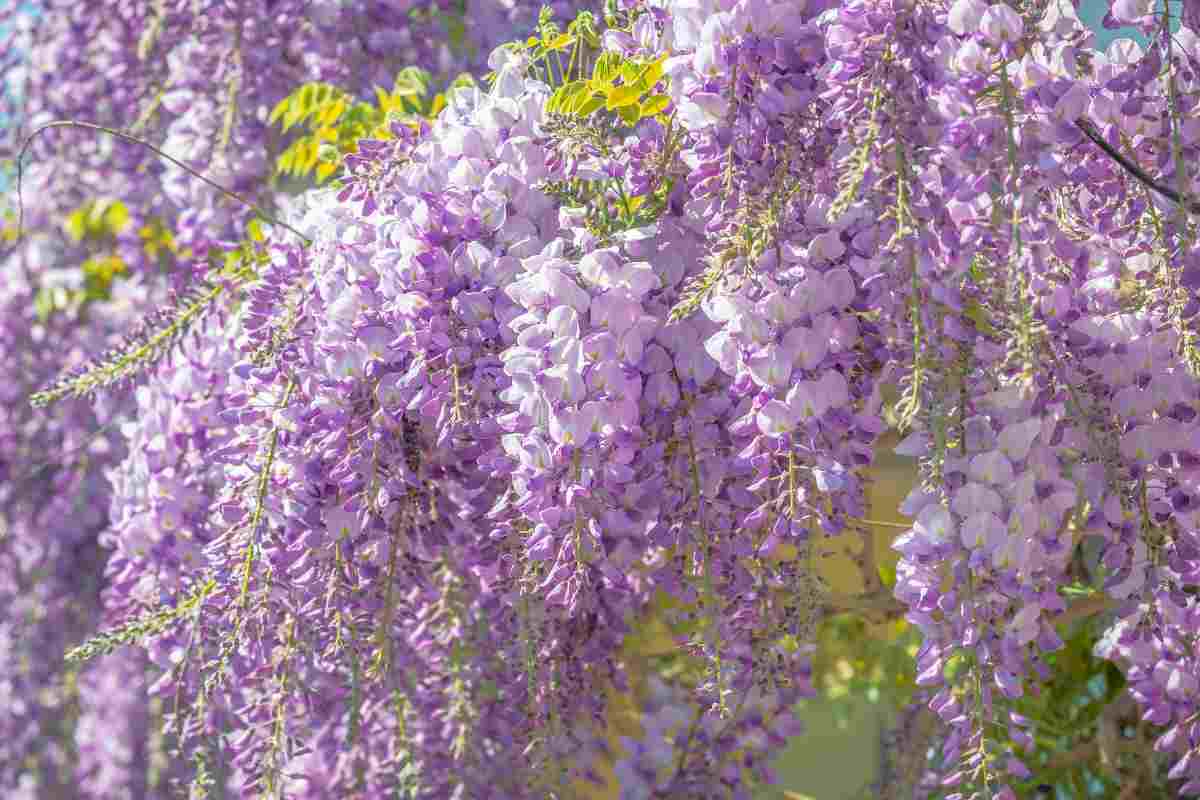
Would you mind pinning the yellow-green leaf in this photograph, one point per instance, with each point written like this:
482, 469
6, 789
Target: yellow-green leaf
306, 97
977, 314
655, 105
570, 95
332, 112
560, 42
607, 69
457, 32
572, 89
116, 216
287, 160
385, 100
95, 214
254, 231
77, 224
630, 114
412, 80
324, 171
311, 156
622, 96
408, 90
653, 72
280, 109
590, 106
291, 117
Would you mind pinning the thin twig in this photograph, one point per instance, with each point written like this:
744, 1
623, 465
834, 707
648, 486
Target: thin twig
1133, 169
1087, 607
70, 123
881, 601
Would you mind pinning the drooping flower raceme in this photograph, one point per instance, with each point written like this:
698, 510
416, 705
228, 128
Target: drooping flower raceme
609, 345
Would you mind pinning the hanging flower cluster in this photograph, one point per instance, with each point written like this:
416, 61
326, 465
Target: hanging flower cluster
612, 341
197, 79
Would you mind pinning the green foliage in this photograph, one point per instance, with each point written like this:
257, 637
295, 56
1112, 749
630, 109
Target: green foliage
1072, 712
858, 162
857, 658
623, 86
546, 49
332, 121
97, 219
592, 80
596, 96
96, 225
699, 288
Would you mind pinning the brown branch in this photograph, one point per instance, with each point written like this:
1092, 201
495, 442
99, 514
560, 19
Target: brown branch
1133, 169
1096, 604
866, 561
1084, 751
881, 601
70, 123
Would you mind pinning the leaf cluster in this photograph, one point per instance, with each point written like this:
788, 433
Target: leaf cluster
332, 121
624, 86
96, 224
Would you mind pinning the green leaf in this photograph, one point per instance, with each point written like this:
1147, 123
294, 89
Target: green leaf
607, 70
307, 97
325, 170
293, 116
436, 106
655, 104
629, 114
116, 217
976, 313
590, 106
412, 80
311, 156
77, 224
653, 72
280, 109
560, 42
456, 31
254, 231
287, 160
331, 113
327, 152
567, 97
410, 105
622, 96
